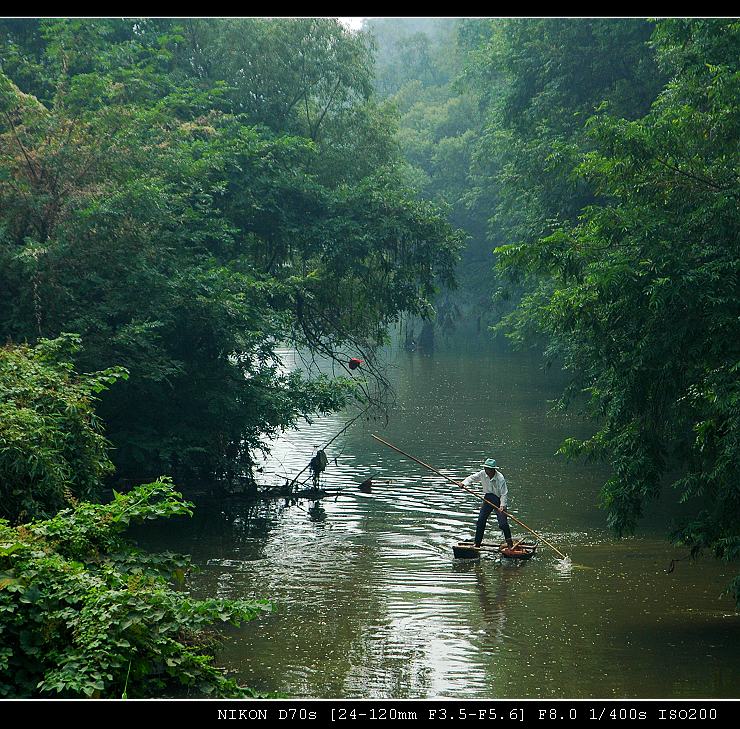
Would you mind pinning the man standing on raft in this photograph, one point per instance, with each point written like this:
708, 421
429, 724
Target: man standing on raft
495, 492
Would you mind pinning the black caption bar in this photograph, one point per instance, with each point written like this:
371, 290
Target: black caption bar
499, 713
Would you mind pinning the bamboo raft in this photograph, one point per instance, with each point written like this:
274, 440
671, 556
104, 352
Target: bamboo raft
521, 550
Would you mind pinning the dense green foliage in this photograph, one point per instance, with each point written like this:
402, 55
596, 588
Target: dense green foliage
492, 117
640, 295
185, 218
539, 81
85, 614
419, 51
52, 449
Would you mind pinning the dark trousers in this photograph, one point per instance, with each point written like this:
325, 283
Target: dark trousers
485, 512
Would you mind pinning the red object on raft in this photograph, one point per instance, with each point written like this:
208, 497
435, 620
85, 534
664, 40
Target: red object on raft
355, 362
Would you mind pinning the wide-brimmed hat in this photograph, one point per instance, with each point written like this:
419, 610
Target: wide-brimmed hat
489, 463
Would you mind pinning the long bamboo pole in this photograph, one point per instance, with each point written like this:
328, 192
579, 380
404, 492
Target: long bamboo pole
470, 491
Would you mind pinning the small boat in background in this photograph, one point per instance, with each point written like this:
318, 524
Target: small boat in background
521, 550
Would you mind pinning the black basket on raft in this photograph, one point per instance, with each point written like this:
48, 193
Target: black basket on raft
521, 550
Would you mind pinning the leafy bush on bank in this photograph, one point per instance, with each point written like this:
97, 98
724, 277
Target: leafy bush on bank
85, 613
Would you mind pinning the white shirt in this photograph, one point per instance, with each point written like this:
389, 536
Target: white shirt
495, 485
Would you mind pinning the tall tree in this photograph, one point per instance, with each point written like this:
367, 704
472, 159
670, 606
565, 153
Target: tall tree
555, 73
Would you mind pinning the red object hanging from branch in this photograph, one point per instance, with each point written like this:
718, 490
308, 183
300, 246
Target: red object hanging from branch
355, 362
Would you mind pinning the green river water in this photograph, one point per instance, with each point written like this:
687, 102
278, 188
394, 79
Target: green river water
369, 602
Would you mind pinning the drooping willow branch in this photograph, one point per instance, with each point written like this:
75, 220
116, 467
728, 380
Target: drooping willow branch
308, 319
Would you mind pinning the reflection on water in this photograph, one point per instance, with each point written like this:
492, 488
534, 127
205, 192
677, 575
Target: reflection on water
370, 602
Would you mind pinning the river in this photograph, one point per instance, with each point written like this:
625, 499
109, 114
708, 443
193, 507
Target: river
369, 602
